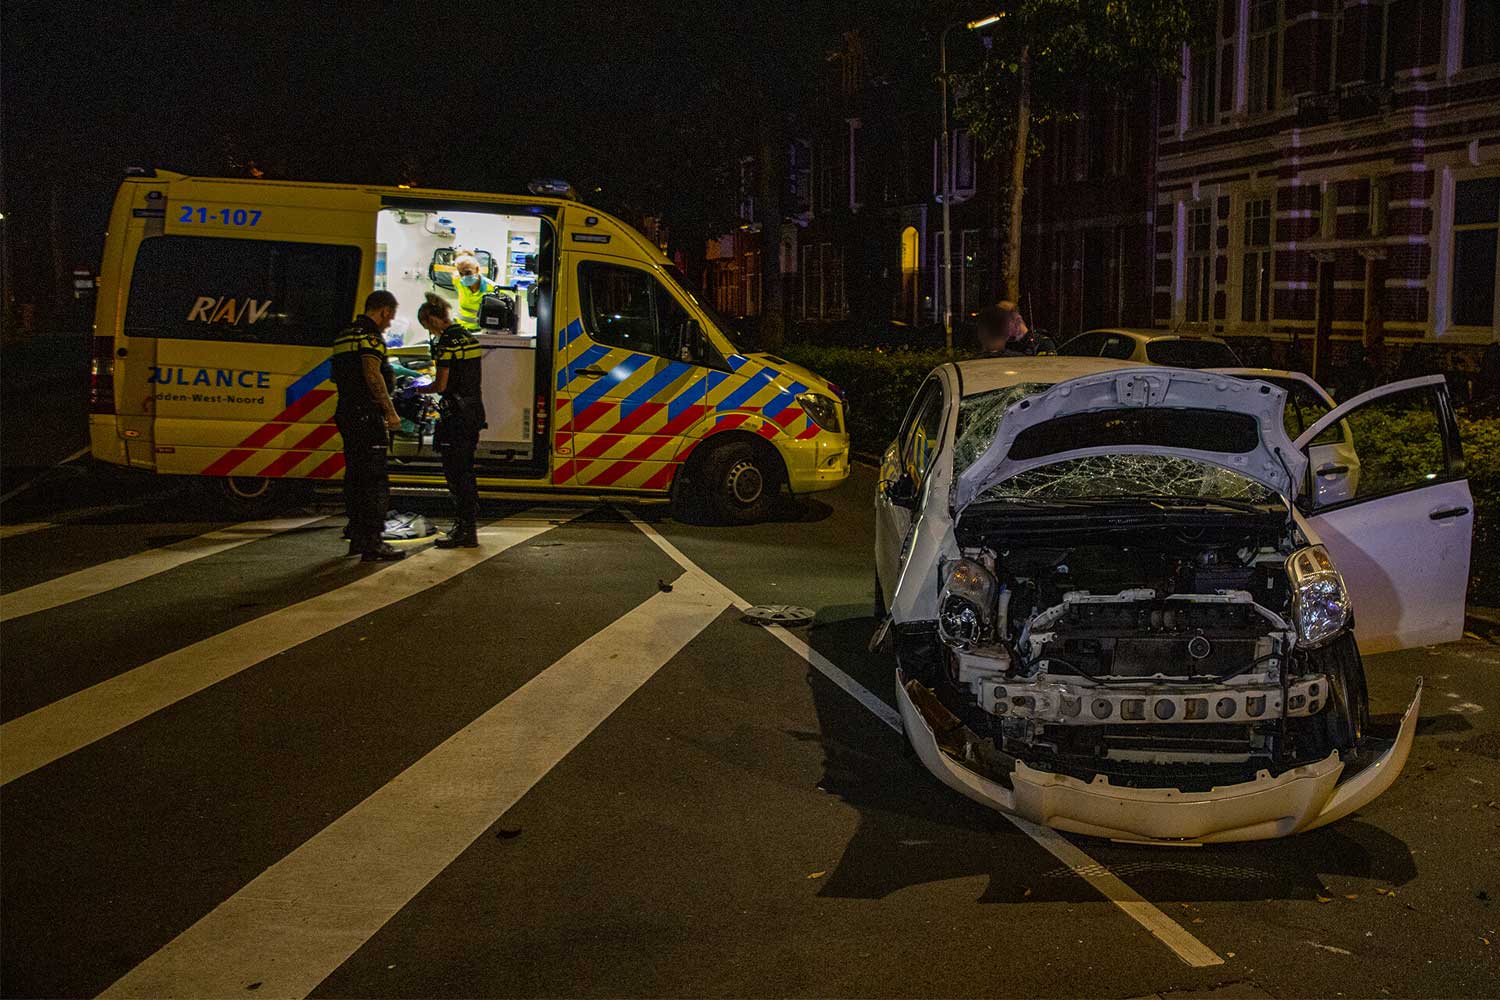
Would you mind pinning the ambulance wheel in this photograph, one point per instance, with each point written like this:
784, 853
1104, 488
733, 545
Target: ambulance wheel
741, 481
253, 494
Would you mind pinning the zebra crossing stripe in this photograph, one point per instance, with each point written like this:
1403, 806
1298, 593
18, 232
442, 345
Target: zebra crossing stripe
303, 917
69, 724
107, 576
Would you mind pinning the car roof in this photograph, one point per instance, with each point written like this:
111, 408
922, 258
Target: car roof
986, 374
1142, 334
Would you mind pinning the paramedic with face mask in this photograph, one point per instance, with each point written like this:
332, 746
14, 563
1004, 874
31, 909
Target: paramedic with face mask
472, 286
456, 354
365, 417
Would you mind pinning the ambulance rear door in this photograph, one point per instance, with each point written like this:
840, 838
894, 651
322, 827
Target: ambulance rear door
244, 292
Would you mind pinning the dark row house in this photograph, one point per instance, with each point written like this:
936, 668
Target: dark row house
1326, 173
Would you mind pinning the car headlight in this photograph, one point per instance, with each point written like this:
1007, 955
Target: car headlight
824, 411
967, 603
1320, 604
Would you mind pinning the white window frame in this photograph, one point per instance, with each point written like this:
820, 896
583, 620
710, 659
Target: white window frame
1241, 249
1206, 273
1447, 252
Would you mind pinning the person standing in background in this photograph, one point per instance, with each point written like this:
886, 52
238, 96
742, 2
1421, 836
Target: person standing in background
472, 286
1002, 332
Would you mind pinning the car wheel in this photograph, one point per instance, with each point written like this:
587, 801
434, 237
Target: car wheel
1347, 717
245, 495
741, 482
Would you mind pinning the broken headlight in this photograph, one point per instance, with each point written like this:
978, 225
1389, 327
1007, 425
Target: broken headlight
1320, 604
967, 603
824, 411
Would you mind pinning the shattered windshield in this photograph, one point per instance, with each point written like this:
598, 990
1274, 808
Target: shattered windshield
979, 418
1104, 476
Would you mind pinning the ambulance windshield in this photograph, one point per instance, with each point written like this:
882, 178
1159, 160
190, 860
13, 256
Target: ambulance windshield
720, 323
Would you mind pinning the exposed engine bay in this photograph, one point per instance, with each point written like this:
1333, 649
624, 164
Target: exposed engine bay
1159, 648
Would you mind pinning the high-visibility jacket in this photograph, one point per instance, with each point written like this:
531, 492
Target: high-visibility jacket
469, 299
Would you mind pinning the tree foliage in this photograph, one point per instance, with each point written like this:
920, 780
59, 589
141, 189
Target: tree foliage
1117, 45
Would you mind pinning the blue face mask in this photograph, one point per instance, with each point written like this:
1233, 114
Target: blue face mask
469, 280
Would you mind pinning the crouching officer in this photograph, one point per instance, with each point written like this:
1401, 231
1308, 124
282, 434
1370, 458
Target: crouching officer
461, 414
365, 417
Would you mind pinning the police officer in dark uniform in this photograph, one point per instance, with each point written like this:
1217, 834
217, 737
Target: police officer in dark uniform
365, 417
456, 355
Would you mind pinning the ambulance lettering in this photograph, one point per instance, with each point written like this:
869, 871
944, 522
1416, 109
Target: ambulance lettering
221, 377
208, 309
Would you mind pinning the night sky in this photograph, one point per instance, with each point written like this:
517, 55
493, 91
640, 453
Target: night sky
635, 103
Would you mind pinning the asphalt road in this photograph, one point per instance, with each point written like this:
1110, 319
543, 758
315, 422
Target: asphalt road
236, 763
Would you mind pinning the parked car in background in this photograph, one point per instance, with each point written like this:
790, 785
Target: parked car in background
1156, 347
1118, 610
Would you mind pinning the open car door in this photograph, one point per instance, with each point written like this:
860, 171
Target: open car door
1401, 537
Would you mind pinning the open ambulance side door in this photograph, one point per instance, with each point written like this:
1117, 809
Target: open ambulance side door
1401, 538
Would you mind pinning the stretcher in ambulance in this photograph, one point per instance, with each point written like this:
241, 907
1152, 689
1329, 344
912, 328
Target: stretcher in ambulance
603, 375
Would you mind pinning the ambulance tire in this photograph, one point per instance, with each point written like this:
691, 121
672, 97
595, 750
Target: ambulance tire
741, 480
254, 494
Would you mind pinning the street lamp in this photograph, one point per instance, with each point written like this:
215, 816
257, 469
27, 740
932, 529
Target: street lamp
977, 23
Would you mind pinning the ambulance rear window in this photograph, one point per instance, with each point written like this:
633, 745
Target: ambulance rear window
244, 291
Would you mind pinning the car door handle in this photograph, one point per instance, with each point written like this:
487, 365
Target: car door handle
1439, 515
589, 372
1333, 470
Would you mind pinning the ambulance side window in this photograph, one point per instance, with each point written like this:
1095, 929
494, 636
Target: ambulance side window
244, 291
628, 308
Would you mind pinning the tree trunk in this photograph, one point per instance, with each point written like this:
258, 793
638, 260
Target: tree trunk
1018, 181
771, 151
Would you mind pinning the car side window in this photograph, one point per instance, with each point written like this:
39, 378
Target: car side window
919, 444
628, 308
1117, 347
1404, 443
1086, 346
1309, 408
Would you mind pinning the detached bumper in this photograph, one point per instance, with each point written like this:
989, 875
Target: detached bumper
1303, 798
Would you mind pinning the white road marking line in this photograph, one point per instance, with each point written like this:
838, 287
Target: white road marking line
303, 917
25, 528
1138, 908
133, 568
56, 730
38, 477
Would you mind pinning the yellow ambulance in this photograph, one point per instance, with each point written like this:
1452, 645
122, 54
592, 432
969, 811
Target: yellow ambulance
603, 375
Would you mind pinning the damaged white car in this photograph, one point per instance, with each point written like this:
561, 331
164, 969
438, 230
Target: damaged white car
1121, 606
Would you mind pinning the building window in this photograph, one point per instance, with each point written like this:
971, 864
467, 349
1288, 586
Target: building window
1200, 263
1255, 274
1122, 149
963, 161
1201, 89
1476, 243
1481, 32
799, 176
1264, 80
823, 196
854, 191
1380, 203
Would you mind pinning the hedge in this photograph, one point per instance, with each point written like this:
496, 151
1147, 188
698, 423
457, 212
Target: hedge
880, 385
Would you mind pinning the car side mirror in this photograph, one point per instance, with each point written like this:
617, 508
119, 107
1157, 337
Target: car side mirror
901, 491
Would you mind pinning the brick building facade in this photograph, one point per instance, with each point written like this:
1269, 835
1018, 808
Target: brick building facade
1325, 173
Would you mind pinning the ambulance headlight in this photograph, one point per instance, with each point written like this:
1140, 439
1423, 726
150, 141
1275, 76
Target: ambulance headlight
1320, 604
967, 603
824, 411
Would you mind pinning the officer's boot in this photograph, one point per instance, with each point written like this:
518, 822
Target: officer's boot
464, 535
